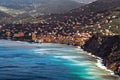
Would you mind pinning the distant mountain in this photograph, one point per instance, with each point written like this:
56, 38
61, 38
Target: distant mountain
58, 6
10, 11
19, 4
22, 9
3, 15
37, 7
97, 6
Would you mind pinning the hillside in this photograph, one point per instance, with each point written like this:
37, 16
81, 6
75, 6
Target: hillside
27, 9
92, 18
97, 7
12, 12
100, 17
4, 17
107, 48
89, 19
40, 7
57, 6
2, 14
104, 25
20, 4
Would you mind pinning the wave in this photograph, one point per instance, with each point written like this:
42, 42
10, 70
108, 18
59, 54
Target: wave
99, 63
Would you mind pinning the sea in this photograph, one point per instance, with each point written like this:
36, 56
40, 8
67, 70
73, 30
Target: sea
48, 61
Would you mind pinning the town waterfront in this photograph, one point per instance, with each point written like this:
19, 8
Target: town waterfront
48, 61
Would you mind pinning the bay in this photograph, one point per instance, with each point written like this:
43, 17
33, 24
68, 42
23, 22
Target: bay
48, 61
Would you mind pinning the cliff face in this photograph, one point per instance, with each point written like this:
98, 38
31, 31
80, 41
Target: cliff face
106, 47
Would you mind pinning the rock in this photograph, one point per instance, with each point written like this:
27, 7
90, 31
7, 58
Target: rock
106, 47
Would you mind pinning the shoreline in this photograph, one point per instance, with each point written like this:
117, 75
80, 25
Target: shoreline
98, 59
81, 65
99, 63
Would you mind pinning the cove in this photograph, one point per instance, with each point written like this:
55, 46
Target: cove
47, 61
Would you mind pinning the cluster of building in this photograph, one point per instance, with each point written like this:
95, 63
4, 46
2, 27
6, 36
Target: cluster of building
43, 33
72, 29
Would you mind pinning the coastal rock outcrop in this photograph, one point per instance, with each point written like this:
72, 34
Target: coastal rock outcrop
106, 47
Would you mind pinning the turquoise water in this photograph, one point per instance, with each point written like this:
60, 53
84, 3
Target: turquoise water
25, 61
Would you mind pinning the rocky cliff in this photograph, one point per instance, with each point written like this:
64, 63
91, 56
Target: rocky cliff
106, 47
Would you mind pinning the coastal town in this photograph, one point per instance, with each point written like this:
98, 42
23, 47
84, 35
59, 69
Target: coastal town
97, 32
67, 29
43, 34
